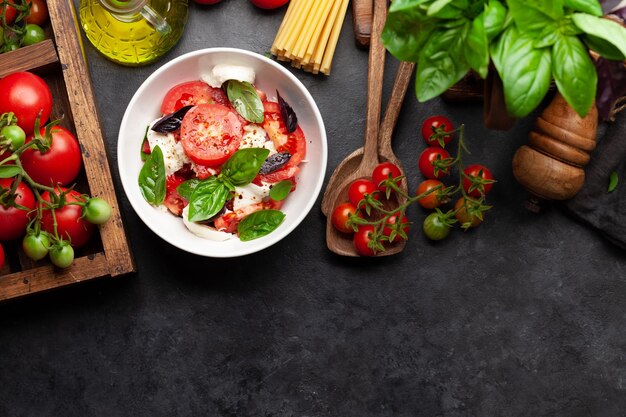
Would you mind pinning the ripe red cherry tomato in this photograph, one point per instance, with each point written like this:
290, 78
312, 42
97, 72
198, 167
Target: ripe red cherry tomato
58, 165
25, 94
13, 220
210, 134
384, 171
38, 12
359, 189
481, 173
427, 161
269, 4
392, 221
361, 238
341, 215
431, 201
434, 125
9, 13
70, 225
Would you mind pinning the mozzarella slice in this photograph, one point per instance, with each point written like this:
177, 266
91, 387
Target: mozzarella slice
250, 194
174, 155
204, 231
221, 73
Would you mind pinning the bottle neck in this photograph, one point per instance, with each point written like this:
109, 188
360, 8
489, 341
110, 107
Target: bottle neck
121, 8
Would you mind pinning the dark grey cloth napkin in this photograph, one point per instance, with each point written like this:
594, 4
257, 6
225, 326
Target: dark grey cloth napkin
593, 204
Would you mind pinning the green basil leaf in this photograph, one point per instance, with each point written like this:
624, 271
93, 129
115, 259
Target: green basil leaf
605, 29
477, 47
185, 189
495, 16
244, 98
574, 73
435, 7
447, 9
152, 178
500, 47
527, 76
280, 191
605, 49
586, 6
9, 171
404, 5
405, 34
142, 154
547, 37
260, 223
244, 165
442, 62
534, 15
613, 181
207, 199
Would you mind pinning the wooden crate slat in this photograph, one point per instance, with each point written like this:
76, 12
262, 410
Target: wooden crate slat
87, 123
48, 277
30, 57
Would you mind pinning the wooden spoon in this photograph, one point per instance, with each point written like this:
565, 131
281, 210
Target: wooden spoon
385, 151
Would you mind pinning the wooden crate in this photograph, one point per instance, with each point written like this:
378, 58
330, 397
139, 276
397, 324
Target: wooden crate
65, 70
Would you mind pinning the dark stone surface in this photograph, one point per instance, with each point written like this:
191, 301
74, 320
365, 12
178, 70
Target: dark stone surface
522, 317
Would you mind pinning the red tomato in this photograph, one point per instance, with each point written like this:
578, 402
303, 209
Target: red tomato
269, 4
294, 142
392, 221
58, 165
13, 220
38, 12
431, 201
341, 215
229, 222
384, 171
210, 134
428, 159
192, 93
1, 257
285, 173
26, 95
480, 173
434, 125
359, 189
173, 201
361, 238
9, 13
70, 225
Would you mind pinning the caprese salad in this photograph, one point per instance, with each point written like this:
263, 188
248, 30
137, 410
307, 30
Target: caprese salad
223, 156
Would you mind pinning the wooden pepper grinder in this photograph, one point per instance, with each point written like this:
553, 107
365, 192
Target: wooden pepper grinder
550, 167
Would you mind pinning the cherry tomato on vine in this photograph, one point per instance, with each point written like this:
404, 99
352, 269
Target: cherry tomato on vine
481, 174
97, 211
435, 228
1, 256
14, 134
36, 246
58, 165
70, 224
13, 220
360, 188
384, 171
269, 4
387, 230
463, 213
341, 215
361, 239
62, 254
38, 12
9, 12
26, 95
34, 34
429, 158
437, 124
431, 201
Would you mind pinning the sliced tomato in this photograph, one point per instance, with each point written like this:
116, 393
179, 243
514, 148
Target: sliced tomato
229, 221
285, 173
173, 201
203, 171
294, 143
210, 134
192, 93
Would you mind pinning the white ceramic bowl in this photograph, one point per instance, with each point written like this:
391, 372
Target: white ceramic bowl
144, 108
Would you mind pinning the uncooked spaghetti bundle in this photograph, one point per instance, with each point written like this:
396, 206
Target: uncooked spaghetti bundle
309, 33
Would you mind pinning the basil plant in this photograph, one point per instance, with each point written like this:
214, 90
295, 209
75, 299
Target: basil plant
530, 42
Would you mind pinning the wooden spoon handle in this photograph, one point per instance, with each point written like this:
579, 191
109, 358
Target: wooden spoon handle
375, 71
400, 86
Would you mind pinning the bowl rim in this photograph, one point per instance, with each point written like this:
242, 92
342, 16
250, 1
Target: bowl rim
261, 243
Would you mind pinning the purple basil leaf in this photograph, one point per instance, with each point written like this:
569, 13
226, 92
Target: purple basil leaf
274, 162
611, 85
171, 122
287, 113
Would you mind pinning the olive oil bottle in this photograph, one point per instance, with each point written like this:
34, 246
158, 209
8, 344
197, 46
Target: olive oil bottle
133, 32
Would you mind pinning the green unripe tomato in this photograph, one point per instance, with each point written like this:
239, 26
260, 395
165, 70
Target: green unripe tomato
97, 211
62, 254
33, 35
15, 134
36, 247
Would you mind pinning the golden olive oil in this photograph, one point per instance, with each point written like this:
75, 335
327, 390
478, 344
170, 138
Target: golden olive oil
121, 30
